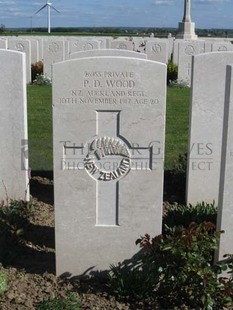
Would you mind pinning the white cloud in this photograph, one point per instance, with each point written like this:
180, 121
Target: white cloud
169, 2
210, 1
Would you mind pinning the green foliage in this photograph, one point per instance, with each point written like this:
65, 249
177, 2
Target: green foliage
172, 72
130, 281
3, 282
13, 220
179, 166
182, 215
70, 303
42, 80
2, 28
37, 69
176, 271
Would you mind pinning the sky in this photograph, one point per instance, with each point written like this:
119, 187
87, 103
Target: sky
116, 13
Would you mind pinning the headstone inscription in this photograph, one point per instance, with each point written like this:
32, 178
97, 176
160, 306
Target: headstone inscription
13, 134
225, 211
108, 122
206, 124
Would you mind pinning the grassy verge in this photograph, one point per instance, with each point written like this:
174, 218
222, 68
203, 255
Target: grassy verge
40, 126
177, 120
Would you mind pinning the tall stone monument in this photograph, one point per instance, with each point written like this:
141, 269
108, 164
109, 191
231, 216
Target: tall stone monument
186, 27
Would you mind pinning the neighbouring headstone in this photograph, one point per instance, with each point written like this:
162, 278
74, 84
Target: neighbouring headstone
108, 127
222, 47
83, 45
208, 46
225, 210
102, 43
175, 55
216, 45
53, 51
34, 51
122, 44
206, 123
139, 45
107, 52
25, 47
14, 182
40, 48
3, 44
157, 51
186, 51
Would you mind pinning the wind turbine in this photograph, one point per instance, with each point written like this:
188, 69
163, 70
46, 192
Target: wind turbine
49, 7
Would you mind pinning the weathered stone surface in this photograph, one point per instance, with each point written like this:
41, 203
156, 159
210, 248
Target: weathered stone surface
157, 51
109, 126
206, 124
225, 210
107, 52
13, 133
25, 47
53, 52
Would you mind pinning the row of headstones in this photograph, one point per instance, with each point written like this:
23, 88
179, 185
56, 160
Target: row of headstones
58, 49
183, 52
109, 133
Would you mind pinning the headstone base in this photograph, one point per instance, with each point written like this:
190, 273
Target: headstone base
186, 31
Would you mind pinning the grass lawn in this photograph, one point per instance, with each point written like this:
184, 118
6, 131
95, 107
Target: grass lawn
177, 122
40, 126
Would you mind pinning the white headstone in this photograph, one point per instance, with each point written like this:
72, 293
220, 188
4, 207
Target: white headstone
139, 45
157, 51
25, 47
53, 51
208, 46
175, 56
222, 47
107, 52
108, 126
206, 123
3, 44
13, 133
83, 45
122, 44
34, 51
186, 51
225, 210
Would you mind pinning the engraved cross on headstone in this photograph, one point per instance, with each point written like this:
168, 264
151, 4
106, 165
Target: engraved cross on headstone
107, 158
189, 67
